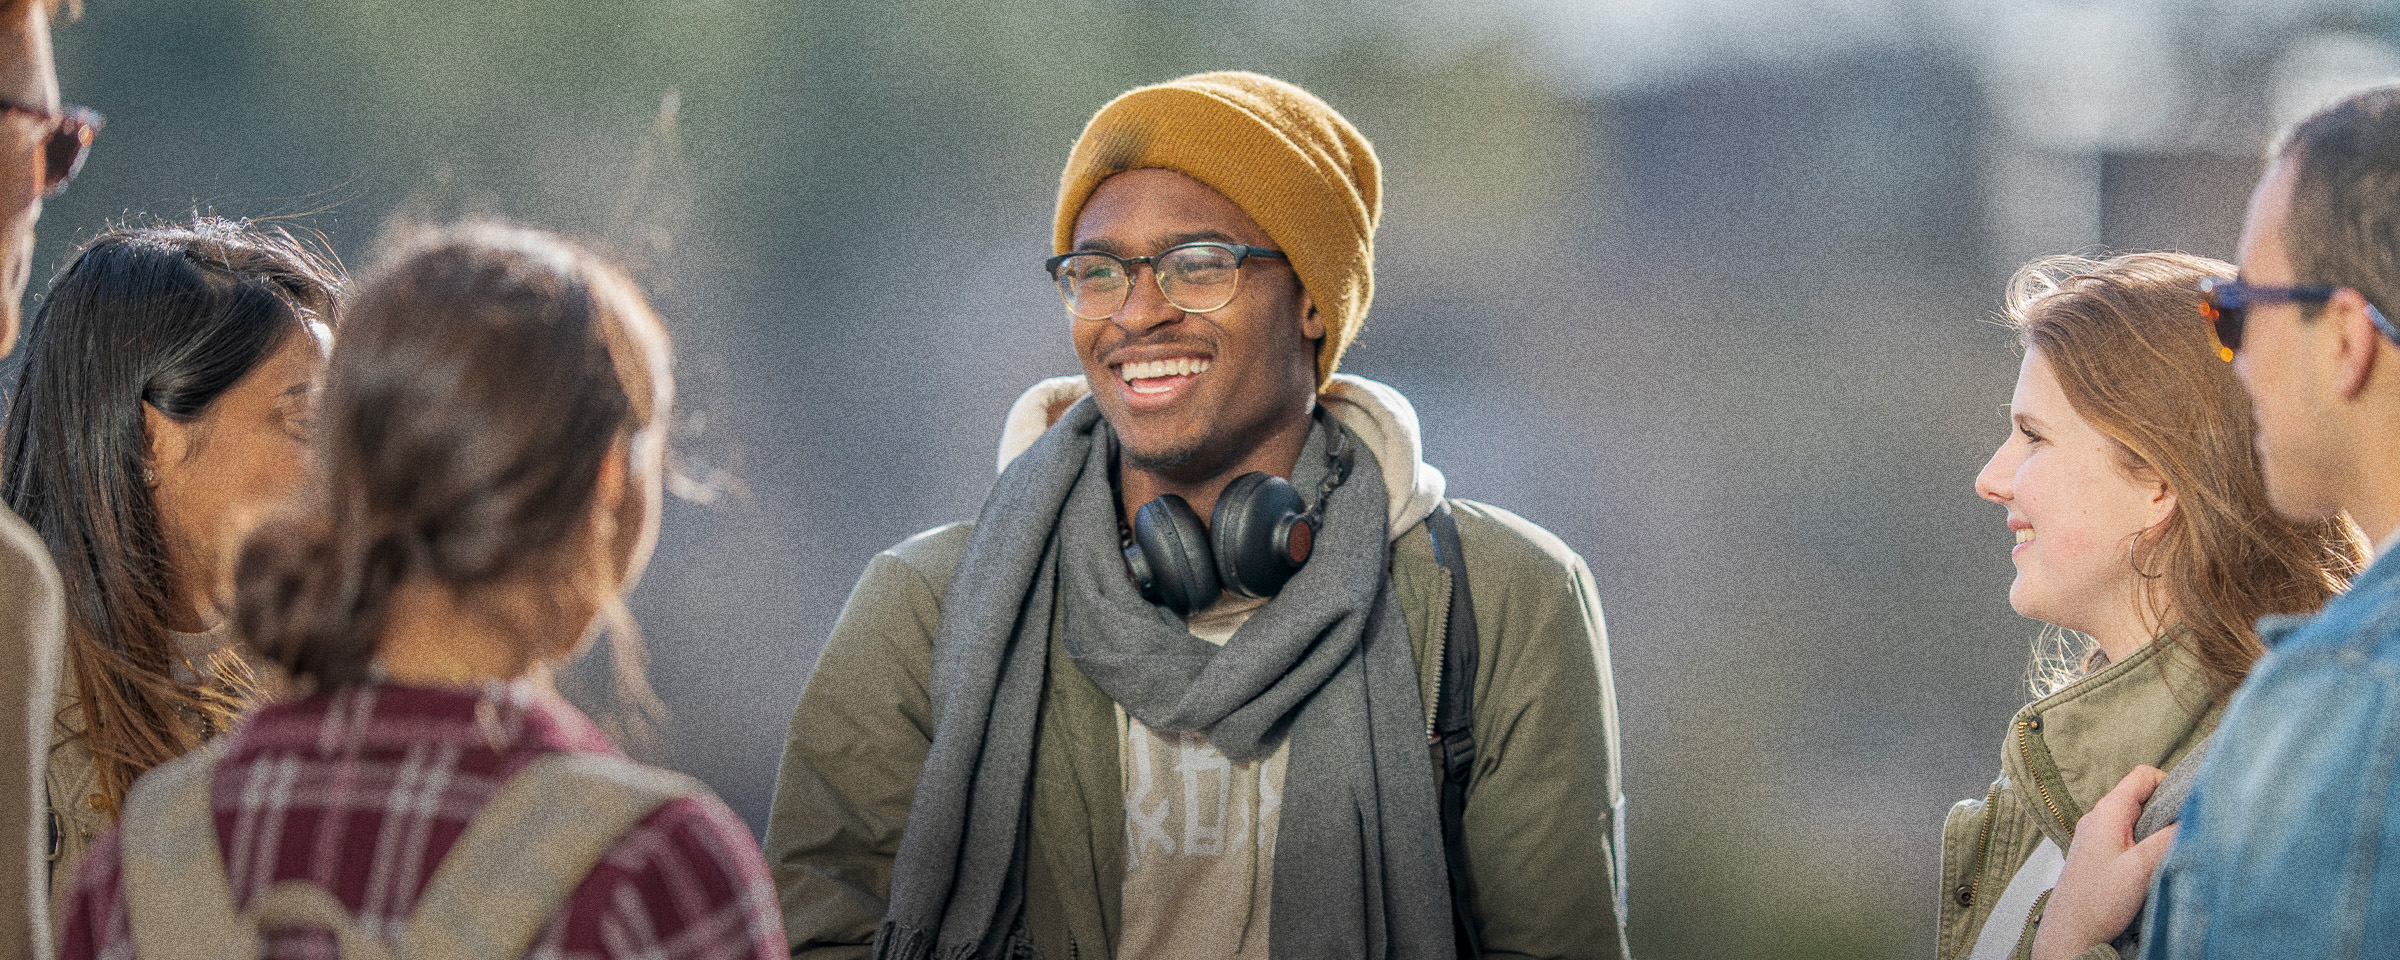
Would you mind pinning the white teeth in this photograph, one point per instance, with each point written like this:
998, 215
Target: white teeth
1170, 367
2025, 535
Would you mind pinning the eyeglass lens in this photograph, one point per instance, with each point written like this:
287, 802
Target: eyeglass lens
2227, 314
1194, 279
63, 152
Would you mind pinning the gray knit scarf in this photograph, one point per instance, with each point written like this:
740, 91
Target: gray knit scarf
1359, 870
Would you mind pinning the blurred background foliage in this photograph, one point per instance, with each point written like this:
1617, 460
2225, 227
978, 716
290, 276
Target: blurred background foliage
1697, 285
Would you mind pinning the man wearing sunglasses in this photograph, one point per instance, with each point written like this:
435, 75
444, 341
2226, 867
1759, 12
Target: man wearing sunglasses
1095, 724
41, 143
2290, 842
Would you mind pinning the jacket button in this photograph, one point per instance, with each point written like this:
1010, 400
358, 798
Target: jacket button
1966, 895
2033, 723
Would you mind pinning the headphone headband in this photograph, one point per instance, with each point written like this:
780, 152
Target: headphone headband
1337, 462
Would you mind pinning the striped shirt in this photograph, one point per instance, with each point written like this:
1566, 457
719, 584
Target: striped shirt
363, 792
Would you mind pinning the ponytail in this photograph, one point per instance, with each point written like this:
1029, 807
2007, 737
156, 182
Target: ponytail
314, 602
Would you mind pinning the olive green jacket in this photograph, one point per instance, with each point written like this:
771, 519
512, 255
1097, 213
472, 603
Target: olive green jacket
1543, 823
2063, 753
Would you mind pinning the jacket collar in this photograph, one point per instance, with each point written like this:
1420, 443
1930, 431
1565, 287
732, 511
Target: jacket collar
1382, 418
2375, 586
2070, 748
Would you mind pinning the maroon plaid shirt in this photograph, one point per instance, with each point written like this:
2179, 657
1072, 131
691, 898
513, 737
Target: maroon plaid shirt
363, 791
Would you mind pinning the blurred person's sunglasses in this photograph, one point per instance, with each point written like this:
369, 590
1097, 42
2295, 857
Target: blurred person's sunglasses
2227, 304
67, 142
1195, 277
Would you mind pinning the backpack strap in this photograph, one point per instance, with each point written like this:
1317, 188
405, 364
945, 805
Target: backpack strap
301, 905
528, 849
180, 903
520, 859
1453, 724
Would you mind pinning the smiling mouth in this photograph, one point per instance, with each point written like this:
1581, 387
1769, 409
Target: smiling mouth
1160, 376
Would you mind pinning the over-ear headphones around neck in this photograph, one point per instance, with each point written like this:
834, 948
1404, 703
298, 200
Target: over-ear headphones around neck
1259, 535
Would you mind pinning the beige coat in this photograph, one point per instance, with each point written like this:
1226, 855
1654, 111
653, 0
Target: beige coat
2063, 753
73, 780
73, 784
32, 643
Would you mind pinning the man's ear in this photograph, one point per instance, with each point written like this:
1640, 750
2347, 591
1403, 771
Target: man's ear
2358, 345
1312, 327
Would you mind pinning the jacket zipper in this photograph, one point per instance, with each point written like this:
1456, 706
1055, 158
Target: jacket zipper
1441, 639
2025, 730
1441, 644
1983, 848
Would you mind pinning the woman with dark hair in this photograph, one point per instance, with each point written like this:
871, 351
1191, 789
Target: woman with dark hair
161, 415
2145, 539
492, 448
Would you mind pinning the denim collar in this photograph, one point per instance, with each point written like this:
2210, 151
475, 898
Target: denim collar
2375, 585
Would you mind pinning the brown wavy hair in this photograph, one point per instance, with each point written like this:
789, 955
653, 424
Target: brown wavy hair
169, 318
484, 375
2125, 338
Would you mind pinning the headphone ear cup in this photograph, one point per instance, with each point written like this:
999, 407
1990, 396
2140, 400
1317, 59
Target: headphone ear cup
1174, 552
1251, 531
1137, 566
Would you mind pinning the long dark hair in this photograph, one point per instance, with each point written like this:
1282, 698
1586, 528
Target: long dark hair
483, 376
168, 317
2132, 357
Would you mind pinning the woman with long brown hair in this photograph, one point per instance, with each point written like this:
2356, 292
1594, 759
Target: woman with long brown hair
492, 442
2144, 537
161, 416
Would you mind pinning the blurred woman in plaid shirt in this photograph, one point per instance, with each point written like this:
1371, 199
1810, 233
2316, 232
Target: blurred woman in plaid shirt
492, 437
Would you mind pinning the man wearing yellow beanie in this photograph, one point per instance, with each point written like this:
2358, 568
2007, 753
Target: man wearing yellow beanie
1091, 724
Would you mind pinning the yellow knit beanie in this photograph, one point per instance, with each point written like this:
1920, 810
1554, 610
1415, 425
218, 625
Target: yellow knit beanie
1275, 150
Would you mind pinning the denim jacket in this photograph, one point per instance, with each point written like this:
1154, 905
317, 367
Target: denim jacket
2291, 839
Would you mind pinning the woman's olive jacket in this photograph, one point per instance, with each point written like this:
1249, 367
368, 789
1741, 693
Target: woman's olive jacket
2062, 754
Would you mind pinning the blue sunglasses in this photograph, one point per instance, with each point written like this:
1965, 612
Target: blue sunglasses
2227, 303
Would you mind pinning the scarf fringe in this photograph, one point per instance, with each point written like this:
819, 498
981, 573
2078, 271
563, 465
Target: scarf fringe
899, 941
